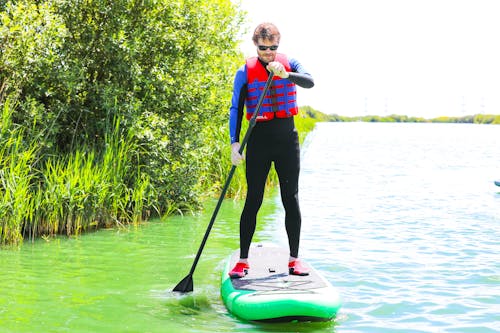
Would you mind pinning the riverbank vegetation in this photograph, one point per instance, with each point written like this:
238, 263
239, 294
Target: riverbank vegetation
112, 110
394, 118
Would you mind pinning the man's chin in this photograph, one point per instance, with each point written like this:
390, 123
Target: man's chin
267, 59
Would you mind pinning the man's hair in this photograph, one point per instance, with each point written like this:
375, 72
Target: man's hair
266, 31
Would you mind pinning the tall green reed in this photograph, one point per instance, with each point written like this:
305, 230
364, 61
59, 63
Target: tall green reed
87, 189
16, 164
54, 194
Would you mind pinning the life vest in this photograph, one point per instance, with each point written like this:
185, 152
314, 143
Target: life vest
281, 98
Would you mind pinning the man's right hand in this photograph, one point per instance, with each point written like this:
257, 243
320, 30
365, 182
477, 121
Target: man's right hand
236, 157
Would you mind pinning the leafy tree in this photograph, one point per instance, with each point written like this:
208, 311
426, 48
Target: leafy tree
164, 67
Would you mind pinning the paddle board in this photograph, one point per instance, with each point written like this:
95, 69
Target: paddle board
269, 293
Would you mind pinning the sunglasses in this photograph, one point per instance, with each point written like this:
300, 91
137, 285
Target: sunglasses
264, 47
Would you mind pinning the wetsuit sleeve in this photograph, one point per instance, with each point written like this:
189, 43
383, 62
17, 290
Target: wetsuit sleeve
299, 75
237, 104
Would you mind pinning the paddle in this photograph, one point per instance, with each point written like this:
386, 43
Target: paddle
186, 284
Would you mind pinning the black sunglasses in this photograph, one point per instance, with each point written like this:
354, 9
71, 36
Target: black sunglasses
264, 47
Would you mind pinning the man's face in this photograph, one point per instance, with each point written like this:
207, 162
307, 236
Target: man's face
266, 50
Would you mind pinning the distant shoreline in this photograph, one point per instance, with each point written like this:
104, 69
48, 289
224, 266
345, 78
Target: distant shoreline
395, 118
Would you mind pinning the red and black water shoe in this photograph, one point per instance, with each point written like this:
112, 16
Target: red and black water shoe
239, 271
297, 268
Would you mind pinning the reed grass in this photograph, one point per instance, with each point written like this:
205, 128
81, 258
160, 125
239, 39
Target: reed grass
84, 190
16, 162
87, 190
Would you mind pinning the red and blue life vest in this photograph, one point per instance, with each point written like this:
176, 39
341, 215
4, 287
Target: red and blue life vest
281, 98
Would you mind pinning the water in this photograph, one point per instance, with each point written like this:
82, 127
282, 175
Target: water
402, 218
408, 218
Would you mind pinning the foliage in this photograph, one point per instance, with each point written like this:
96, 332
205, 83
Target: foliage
486, 119
16, 177
72, 68
67, 193
469, 119
309, 112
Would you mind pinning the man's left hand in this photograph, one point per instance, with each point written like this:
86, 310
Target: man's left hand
278, 69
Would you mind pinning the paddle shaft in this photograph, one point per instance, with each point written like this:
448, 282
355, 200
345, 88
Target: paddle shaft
183, 284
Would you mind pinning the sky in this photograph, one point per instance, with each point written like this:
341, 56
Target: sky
424, 58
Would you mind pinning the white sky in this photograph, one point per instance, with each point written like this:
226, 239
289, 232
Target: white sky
416, 57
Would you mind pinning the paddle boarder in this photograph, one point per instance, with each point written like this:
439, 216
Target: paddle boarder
274, 139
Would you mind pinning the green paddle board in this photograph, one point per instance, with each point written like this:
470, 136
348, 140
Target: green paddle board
269, 293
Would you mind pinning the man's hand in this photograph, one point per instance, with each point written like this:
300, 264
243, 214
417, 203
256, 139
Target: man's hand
278, 69
236, 157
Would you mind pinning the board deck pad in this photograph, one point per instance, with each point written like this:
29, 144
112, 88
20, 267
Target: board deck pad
269, 293
269, 272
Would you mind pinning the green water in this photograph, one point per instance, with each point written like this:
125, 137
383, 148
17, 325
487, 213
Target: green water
403, 219
121, 280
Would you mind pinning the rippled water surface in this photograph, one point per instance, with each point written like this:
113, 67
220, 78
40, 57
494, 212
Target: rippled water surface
404, 219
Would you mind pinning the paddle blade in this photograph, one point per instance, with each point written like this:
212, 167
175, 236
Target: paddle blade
186, 285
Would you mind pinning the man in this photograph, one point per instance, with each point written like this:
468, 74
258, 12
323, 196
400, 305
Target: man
274, 139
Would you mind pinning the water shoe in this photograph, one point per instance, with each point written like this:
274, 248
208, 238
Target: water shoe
296, 268
239, 271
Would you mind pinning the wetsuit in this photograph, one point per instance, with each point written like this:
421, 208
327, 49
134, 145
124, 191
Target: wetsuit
275, 141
